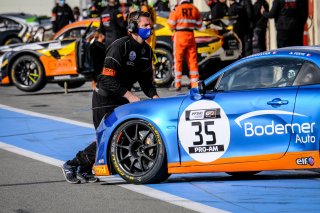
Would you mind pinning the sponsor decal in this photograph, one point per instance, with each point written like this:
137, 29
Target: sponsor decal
132, 55
62, 77
130, 63
204, 131
303, 131
298, 53
305, 161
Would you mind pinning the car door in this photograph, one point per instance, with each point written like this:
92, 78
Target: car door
247, 116
307, 104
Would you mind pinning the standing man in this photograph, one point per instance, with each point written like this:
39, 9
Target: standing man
162, 5
128, 60
259, 40
62, 15
114, 22
98, 52
286, 16
183, 20
303, 6
219, 10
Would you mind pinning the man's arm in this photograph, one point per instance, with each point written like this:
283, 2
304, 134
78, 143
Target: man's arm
54, 19
274, 12
146, 80
107, 79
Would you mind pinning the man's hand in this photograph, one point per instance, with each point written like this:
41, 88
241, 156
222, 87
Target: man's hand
131, 97
262, 10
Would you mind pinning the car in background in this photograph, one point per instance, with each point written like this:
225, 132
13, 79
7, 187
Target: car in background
260, 113
19, 27
65, 59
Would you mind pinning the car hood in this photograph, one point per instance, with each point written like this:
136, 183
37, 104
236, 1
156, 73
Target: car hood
164, 110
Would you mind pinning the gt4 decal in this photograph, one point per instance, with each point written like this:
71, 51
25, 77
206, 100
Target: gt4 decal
204, 131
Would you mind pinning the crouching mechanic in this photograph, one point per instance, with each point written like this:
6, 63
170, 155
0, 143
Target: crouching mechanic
128, 60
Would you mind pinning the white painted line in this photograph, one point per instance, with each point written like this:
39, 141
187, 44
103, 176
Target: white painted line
29, 154
169, 198
145, 190
64, 120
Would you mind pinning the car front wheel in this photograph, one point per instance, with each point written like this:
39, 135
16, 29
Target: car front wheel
27, 74
138, 153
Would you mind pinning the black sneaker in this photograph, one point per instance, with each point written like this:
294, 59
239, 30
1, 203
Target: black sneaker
69, 173
86, 177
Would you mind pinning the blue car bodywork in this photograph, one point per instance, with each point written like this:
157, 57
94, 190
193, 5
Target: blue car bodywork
259, 113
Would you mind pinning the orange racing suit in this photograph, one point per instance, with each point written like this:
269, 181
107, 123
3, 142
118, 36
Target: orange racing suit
183, 20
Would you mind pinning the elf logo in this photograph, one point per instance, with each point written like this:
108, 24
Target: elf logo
305, 161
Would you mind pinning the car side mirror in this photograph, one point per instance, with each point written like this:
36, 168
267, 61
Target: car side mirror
197, 92
201, 88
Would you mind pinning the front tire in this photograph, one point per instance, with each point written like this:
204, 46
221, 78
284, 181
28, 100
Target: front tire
27, 74
138, 153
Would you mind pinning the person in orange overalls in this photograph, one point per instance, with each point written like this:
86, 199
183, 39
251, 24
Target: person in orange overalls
183, 20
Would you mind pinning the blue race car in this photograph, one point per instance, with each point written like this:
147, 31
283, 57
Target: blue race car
260, 113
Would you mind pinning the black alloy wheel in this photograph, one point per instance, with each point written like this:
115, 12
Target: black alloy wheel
138, 153
27, 74
163, 67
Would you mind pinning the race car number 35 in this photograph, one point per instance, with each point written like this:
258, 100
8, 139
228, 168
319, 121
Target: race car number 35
204, 131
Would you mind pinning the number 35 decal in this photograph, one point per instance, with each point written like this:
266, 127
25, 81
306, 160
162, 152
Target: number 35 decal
204, 131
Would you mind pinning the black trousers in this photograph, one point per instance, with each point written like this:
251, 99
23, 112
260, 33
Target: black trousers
102, 106
286, 38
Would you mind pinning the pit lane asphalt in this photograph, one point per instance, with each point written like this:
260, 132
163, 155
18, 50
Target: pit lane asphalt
28, 185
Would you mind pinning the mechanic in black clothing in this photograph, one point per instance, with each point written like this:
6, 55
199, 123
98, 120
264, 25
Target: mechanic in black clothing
98, 52
303, 16
62, 15
286, 15
114, 22
162, 5
260, 23
128, 60
240, 27
219, 10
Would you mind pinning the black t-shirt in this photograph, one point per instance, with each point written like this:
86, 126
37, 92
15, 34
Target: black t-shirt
62, 17
97, 55
126, 63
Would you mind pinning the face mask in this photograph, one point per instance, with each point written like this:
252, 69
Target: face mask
144, 33
61, 3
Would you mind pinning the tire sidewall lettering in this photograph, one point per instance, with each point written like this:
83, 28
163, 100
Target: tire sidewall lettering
117, 165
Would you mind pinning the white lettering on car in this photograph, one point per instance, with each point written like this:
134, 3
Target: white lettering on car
303, 131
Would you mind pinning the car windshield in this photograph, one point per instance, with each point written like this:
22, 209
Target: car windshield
261, 74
